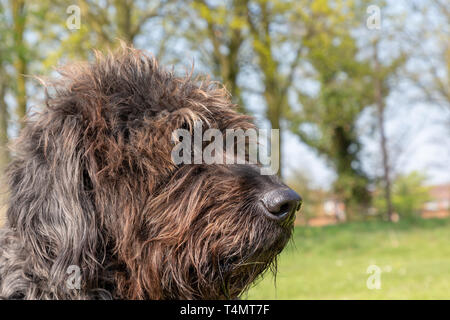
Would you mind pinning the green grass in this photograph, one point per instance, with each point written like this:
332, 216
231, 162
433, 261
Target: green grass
331, 262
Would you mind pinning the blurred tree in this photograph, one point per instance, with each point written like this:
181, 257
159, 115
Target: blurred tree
15, 59
102, 24
218, 31
409, 195
381, 77
21, 57
287, 38
429, 38
277, 70
256, 39
5, 60
327, 119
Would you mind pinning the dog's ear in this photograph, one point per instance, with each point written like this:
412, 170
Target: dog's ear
50, 203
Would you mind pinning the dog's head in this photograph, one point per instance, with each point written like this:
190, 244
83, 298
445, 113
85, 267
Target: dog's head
110, 197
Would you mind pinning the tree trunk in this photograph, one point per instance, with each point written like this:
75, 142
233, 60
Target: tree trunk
379, 101
274, 116
4, 152
123, 18
20, 61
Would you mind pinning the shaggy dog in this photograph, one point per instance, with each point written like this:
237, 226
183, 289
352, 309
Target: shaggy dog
94, 190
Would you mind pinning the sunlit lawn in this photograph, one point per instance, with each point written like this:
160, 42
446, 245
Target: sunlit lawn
331, 262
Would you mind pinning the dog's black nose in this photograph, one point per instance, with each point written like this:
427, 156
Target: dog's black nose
280, 204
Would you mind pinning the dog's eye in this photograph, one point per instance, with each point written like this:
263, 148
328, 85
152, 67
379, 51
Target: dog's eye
186, 126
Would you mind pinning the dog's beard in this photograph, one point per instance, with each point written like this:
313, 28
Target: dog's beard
239, 271
222, 251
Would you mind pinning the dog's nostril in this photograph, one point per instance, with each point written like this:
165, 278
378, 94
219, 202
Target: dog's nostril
284, 207
281, 203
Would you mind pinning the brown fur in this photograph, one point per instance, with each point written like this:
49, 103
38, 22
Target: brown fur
93, 185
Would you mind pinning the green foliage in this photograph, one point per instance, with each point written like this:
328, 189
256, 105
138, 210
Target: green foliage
5, 79
409, 195
327, 119
218, 30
